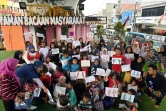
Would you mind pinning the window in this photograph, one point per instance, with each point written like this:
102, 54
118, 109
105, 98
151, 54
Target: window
157, 11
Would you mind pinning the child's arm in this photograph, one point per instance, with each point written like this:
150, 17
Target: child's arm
37, 55
30, 57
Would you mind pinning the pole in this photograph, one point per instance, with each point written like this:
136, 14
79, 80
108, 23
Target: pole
134, 24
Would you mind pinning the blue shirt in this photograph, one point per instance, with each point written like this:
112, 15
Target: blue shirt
74, 67
66, 68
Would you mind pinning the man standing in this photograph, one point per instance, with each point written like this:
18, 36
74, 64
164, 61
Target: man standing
156, 85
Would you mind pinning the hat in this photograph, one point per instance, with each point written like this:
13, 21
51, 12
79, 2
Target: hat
38, 64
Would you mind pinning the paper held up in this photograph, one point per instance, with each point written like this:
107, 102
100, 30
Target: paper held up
25, 57
90, 79
76, 43
73, 76
85, 63
55, 51
135, 74
52, 65
69, 40
77, 56
40, 35
127, 97
111, 53
37, 92
126, 68
80, 75
63, 37
84, 49
111, 92
60, 90
102, 72
132, 87
129, 56
116, 60
105, 58
64, 62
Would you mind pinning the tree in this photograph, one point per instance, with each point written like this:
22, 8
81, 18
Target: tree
119, 29
100, 31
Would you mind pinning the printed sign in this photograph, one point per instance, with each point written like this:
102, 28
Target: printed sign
63, 37
132, 87
37, 92
64, 62
90, 79
90, 35
116, 61
105, 58
72, 75
127, 97
126, 68
80, 75
102, 72
76, 43
52, 65
60, 90
84, 49
111, 92
129, 56
77, 56
40, 35
135, 74
111, 53
55, 51
85, 63
69, 40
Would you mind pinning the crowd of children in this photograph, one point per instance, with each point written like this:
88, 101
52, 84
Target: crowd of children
62, 59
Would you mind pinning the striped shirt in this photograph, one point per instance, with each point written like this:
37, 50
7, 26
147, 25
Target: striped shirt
9, 87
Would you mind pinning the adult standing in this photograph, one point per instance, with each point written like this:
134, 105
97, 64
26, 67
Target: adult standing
9, 84
155, 82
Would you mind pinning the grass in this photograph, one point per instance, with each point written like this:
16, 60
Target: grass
145, 105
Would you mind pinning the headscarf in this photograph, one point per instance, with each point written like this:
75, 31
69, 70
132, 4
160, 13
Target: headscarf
30, 47
8, 66
137, 49
105, 50
96, 51
98, 66
16, 56
163, 53
142, 52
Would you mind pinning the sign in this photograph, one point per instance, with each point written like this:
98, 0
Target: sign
80, 75
60, 90
111, 53
135, 74
102, 72
144, 20
63, 37
76, 43
116, 60
90, 35
90, 79
85, 63
55, 51
163, 21
64, 62
132, 87
105, 58
77, 56
127, 97
129, 56
40, 35
52, 65
17, 20
125, 15
94, 57
37, 92
126, 68
111, 92
72, 75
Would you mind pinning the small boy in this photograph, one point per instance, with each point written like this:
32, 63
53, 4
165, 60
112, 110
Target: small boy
68, 58
85, 104
74, 66
64, 104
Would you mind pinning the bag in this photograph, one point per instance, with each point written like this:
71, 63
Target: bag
99, 106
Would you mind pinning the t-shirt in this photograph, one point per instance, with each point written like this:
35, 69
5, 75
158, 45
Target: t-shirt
46, 80
117, 67
85, 106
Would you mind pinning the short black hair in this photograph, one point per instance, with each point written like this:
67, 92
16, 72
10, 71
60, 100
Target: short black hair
63, 100
75, 58
45, 69
154, 67
118, 49
87, 95
71, 83
133, 92
151, 41
65, 52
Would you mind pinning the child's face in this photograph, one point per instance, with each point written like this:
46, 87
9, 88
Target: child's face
129, 92
99, 78
69, 49
118, 52
63, 48
85, 100
97, 92
98, 54
80, 81
78, 50
48, 59
43, 44
74, 61
85, 57
128, 50
32, 49
139, 60
108, 43
104, 51
59, 43
69, 86
133, 83
19, 100
52, 46
162, 49
74, 52
114, 77
112, 49
96, 63
20, 56
65, 55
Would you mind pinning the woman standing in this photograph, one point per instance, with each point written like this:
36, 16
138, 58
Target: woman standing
9, 84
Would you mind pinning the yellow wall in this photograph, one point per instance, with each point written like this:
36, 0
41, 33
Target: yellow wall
3, 2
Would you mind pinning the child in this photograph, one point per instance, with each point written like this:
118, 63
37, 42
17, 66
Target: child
96, 52
117, 67
75, 52
58, 74
55, 57
127, 59
64, 104
85, 104
101, 84
32, 55
68, 58
94, 67
44, 50
72, 96
93, 85
63, 48
69, 49
113, 82
75, 66
104, 58
86, 69
45, 78
138, 64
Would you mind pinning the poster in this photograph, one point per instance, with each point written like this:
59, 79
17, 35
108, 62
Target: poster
111, 92
85, 63
116, 61
55, 51
72, 75
77, 56
80, 75
129, 56
135, 74
76, 43
105, 58
127, 97
100, 72
132, 87
90, 79
126, 68
60, 90
63, 37
64, 62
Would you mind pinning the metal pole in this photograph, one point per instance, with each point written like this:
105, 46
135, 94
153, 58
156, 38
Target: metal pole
134, 25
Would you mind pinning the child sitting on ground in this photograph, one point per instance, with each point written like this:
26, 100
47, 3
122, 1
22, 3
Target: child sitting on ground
64, 104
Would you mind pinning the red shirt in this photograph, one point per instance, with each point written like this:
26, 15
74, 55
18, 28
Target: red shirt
117, 67
111, 83
46, 79
37, 56
86, 69
9, 87
57, 76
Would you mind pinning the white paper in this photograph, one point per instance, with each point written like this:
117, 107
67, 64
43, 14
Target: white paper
78, 56
105, 58
132, 87
76, 43
52, 65
111, 53
37, 92
50, 96
90, 79
126, 68
49, 74
80, 75
73, 76
135, 74
129, 56
84, 49
25, 57
100, 72
94, 57
64, 62
55, 51
63, 37
127, 97
111, 92
85, 63
60, 90
69, 40
108, 71
40, 35
116, 60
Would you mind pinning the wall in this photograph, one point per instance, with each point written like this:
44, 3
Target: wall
50, 34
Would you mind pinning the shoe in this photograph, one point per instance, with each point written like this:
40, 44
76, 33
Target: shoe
32, 107
156, 106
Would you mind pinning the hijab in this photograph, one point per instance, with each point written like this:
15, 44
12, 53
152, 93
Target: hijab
163, 53
16, 56
98, 66
8, 66
136, 49
138, 66
30, 47
142, 52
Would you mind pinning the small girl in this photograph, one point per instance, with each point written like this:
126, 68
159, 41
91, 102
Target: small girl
105, 58
74, 67
32, 55
55, 57
94, 67
113, 82
86, 69
44, 51
128, 51
58, 74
